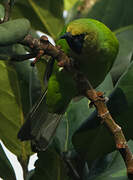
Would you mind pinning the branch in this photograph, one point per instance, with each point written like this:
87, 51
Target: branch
44, 47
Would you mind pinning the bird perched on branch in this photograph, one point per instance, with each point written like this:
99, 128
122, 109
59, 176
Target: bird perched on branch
93, 48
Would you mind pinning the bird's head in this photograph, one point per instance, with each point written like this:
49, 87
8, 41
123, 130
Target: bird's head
75, 34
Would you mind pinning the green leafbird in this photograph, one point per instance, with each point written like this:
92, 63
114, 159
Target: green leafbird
94, 48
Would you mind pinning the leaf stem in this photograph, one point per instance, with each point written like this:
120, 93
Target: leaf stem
24, 164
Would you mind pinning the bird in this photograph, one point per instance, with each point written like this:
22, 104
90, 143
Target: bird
93, 47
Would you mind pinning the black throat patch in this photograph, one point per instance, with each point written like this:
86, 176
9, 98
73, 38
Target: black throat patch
75, 42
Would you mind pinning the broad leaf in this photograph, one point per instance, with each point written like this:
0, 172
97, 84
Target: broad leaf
2, 12
47, 15
68, 4
124, 57
11, 114
15, 104
116, 14
115, 169
13, 31
93, 139
50, 166
76, 113
6, 169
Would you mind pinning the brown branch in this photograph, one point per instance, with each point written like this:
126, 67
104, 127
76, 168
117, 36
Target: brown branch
115, 129
44, 47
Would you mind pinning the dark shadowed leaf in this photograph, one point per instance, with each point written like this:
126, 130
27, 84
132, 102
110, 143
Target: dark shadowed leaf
75, 115
6, 169
124, 57
116, 14
95, 141
50, 166
47, 16
115, 169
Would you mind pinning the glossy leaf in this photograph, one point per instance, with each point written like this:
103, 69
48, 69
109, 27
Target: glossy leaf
93, 139
6, 169
50, 166
124, 57
116, 14
47, 15
13, 31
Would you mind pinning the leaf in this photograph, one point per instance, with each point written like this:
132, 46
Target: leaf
2, 12
6, 169
18, 11
15, 104
11, 113
13, 31
50, 166
124, 57
69, 4
46, 14
41, 67
116, 14
115, 169
75, 115
93, 141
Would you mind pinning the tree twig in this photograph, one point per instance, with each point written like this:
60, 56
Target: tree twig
87, 90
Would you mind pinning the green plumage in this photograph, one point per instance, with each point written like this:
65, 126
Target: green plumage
94, 48
98, 53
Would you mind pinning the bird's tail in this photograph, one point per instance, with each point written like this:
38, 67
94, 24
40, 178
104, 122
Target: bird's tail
40, 125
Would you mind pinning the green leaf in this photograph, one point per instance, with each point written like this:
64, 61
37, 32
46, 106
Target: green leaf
116, 14
13, 31
19, 11
93, 139
115, 169
41, 67
124, 57
6, 169
68, 4
50, 166
11, 114
7, 1
2, 11
75, 115
47, 15
16, 97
